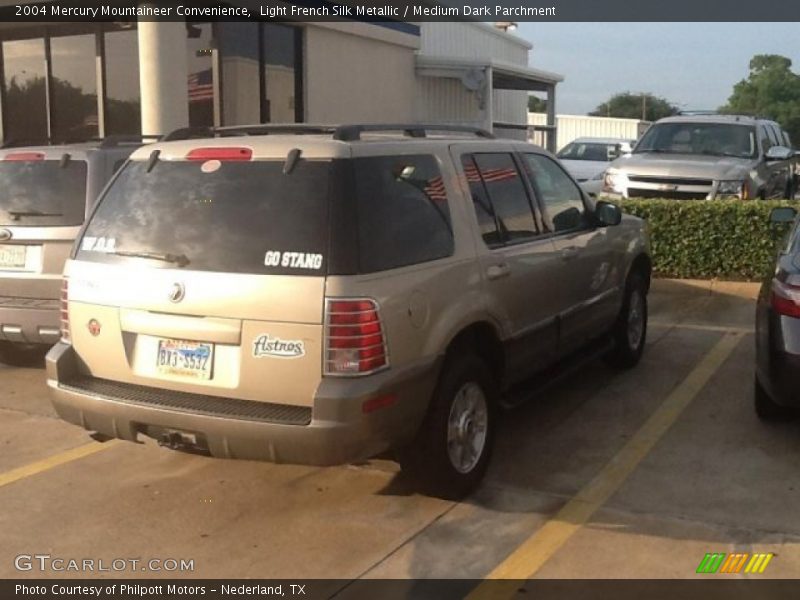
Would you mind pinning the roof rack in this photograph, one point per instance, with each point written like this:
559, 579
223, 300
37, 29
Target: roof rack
716, 113
697, 113
344, 133
350, 133
111, 141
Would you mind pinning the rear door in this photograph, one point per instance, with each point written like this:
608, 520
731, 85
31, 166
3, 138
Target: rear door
207, 276
587, 273
42, 206
519, 265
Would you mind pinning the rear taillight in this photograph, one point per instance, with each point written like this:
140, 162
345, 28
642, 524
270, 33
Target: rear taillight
355, 343
785, 299
65, 310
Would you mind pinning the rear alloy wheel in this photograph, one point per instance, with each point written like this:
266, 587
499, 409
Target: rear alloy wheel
766, 408
630, 330
451, 451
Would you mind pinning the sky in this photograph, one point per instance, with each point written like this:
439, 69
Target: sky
692, 65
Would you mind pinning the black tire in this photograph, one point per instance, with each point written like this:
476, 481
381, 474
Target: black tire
766, 408
428, 458
628, 345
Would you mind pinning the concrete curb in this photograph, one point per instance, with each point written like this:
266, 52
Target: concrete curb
741, 289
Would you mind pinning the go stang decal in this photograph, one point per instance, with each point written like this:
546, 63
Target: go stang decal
293, 260
264, 345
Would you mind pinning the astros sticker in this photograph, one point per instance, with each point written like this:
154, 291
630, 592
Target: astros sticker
266, 345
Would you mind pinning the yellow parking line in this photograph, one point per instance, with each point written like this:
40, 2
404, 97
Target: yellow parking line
54, 461
528, 558
701, 327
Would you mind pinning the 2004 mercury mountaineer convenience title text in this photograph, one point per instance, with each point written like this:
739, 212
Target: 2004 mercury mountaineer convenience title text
319, 295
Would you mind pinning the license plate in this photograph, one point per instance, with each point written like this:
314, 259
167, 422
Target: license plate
12, 257
188, 359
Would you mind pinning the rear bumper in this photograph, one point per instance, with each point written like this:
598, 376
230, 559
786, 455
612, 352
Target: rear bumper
778, 356
29, 320
338, 430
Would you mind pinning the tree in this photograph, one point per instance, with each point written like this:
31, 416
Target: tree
635, 106
771, 90
536, 104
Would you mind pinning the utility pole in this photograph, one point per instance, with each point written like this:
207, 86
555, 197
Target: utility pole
644, 107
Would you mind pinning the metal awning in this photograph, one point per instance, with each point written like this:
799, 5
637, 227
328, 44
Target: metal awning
481, 75
505, 76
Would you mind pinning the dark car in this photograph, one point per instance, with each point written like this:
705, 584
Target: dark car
777, 382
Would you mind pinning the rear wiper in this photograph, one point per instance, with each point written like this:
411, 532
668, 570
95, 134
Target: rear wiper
16, 215
179, 259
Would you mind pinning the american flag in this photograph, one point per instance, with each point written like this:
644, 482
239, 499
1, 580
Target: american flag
434, 189
201, 86
489, 175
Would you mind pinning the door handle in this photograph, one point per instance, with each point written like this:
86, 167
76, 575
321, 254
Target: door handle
498, 271
570, 252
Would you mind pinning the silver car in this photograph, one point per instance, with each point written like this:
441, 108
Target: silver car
703, 157
587, 158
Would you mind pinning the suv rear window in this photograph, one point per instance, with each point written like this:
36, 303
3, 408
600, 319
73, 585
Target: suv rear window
233, 217
42, 193
402, 213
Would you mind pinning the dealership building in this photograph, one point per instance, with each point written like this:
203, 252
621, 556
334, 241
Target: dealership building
65, 82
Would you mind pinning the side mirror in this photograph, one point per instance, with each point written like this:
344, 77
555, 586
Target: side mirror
782, 214
612, 153
607, 214
779, 153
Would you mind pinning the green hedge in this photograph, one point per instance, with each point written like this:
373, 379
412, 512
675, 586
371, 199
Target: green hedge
723, 239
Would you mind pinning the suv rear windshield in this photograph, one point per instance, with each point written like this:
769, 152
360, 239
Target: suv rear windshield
713, 139
42, 193
233, 217
341, 216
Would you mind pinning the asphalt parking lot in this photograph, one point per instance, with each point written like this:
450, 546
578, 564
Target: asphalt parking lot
633, 474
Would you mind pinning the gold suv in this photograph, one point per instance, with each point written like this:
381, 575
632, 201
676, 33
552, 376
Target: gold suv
45, 194
318, 295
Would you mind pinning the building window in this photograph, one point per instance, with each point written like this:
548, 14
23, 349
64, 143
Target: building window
282, 74
122, 106
239, 52
25, 98
73, 86
200, 62
238, 73
261, 73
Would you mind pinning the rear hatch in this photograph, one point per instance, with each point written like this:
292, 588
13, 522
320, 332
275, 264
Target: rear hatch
42, 206
206, 275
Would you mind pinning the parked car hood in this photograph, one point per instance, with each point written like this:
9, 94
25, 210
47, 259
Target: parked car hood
584, 169
684, 165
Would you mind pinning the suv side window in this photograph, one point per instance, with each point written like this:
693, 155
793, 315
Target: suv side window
766, 139
403, 216
562, 199
500, 199
775, 135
